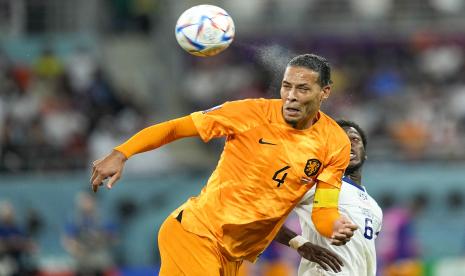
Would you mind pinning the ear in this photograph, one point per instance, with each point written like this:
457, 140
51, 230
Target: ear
326, 90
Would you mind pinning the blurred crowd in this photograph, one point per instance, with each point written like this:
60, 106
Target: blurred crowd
409, 95
60, 111
50, 110
88, 238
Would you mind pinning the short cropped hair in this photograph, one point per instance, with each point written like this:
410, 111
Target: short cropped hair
346, 123
315, 63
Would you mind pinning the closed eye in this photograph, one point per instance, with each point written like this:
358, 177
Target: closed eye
286, 85
303, 87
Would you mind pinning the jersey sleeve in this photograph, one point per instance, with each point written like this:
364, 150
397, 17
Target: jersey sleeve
339, 158
157, 135
228, 119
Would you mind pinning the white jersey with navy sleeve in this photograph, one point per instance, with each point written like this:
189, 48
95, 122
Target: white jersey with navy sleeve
358, 255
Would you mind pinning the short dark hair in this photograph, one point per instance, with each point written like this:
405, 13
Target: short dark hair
345, 123
315, 63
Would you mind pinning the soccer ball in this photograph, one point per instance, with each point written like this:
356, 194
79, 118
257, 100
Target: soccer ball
204, 30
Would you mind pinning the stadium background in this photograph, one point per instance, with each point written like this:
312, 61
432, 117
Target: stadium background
78, 77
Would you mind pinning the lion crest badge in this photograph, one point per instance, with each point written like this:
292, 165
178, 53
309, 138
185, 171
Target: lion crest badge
312, 167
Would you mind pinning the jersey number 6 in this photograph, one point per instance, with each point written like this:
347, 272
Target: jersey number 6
368, 233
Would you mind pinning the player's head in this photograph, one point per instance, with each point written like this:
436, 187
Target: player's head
358, 143
306, 83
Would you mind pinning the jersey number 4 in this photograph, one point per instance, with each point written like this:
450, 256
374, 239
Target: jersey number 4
283, 177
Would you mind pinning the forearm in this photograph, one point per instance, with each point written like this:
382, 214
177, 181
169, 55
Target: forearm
158, 135
285, 235
325, 209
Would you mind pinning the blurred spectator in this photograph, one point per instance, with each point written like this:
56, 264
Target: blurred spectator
89, 239
213, 81
134, 15
397, 245
144, 14
81, 66
15, 246
454, 201
371, 9
48, 65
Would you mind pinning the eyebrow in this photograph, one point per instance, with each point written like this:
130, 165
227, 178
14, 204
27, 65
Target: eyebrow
298, 85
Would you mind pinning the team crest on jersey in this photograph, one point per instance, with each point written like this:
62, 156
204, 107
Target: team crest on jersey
363, 196
312, 167
213, 108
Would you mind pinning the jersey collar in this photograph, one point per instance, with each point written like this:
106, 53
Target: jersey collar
351, 182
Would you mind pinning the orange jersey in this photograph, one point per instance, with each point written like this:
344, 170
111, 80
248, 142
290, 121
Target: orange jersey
258, 179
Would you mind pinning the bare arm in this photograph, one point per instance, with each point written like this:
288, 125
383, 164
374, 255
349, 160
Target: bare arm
285, 235
312, 252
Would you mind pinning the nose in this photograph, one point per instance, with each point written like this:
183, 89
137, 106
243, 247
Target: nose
291, 95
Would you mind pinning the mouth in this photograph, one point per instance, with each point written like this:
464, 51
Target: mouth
352, 156
292, 111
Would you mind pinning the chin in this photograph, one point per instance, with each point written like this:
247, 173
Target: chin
291, 121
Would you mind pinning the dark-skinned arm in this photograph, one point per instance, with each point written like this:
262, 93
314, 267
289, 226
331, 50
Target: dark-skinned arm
312, 252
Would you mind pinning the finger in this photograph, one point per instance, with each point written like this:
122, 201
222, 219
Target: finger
339, 236
346, 232
94, 188
352, 227
321, 263
112, 180
94, 167
94, 175
98, 179
349, 224
328, 261
337, 242
334, 257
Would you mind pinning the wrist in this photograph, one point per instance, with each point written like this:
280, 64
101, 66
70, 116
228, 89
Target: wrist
119, 154
297, 242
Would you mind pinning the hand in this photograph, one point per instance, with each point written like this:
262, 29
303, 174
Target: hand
111, 166
343, 230
321, 256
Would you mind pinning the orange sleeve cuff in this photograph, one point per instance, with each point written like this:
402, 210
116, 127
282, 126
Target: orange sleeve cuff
158, 135
325, 208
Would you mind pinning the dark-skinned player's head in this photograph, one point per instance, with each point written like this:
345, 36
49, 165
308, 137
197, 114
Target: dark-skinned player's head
358, 142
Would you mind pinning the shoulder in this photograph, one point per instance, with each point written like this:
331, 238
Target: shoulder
259, 104
376, 206
330, 124
336, 135
254, 102
269, 109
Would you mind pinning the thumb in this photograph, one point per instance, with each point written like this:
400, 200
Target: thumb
113, 180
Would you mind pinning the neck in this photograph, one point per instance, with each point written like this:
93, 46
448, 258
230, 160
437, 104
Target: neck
356, 176
308, 122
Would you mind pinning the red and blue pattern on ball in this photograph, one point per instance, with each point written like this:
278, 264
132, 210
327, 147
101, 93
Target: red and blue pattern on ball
197, 45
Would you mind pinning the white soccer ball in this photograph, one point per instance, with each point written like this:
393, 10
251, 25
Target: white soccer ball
205, 30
